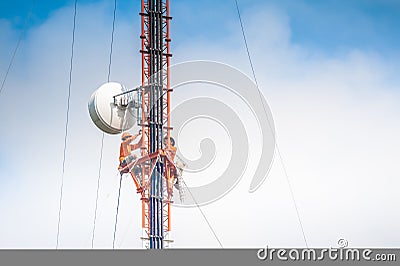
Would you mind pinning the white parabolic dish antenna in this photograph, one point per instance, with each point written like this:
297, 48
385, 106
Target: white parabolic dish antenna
108, 116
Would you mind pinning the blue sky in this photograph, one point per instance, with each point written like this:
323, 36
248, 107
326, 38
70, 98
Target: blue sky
328, 69
330, 26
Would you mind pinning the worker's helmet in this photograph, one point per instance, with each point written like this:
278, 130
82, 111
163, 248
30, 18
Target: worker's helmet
171, 140
125, 135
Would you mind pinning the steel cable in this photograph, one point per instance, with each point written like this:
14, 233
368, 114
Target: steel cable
103, 134
17, 46
277, 148
66, 124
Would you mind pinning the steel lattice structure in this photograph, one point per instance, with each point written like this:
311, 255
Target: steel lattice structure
157, 171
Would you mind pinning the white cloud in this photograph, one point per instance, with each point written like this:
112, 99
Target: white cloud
336, 118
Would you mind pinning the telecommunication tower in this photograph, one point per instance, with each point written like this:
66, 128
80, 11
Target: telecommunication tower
115, 109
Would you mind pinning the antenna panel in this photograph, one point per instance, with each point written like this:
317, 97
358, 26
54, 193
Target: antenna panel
107, 113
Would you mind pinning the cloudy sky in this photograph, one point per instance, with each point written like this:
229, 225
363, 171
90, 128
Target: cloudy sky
329, 72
